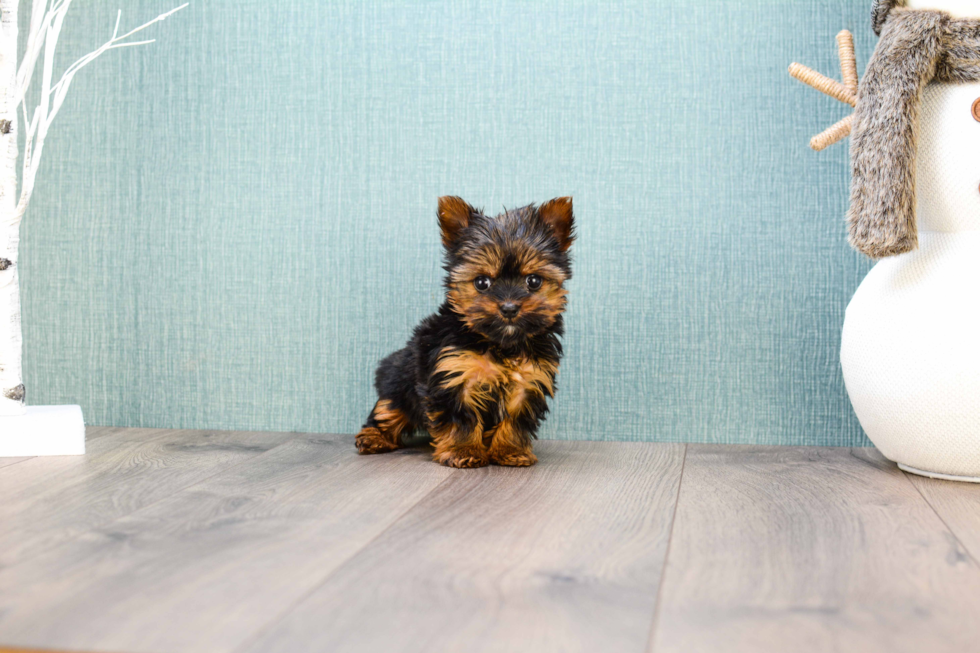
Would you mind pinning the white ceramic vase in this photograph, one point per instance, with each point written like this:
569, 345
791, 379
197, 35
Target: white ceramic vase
910, 348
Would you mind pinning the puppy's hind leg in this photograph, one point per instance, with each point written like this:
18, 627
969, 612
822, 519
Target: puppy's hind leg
392, 415
383, 430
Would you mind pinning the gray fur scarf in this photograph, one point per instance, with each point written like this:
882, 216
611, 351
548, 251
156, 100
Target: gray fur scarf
916, 47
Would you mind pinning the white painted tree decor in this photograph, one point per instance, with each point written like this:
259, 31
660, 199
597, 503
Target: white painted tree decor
36, 430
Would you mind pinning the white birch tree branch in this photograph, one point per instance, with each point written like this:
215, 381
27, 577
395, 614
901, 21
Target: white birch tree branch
52, 97
47, 19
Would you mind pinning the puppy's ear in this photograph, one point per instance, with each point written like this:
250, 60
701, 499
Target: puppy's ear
557, 214
454, 216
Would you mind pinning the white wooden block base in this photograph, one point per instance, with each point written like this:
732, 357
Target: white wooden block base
43, 431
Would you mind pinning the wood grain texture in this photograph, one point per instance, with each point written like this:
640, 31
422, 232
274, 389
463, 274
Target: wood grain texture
48, 500
162, 541
206, 568
958, 504
91, 432
124, 432
563, 556
805, 549
34, 650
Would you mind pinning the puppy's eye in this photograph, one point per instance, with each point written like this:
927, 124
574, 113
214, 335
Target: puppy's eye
533, 281
482, 283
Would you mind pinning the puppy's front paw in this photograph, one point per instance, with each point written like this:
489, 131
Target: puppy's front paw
463, 457
514, 458
370, 440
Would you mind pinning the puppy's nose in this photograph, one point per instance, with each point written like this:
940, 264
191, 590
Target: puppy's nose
509, 309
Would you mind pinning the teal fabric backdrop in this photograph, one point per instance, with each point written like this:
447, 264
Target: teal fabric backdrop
232, 225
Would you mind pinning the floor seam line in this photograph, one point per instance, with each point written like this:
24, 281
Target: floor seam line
266, 628
19, 461
941, 519
663, 571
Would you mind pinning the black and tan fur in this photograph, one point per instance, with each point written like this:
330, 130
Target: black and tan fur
476, 379
916, 47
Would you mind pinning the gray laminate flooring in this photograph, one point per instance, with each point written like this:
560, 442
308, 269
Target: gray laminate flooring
183, 541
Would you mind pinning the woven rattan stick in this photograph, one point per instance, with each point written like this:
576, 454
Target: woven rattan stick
846, 92
837, 132
822, 83
848, 61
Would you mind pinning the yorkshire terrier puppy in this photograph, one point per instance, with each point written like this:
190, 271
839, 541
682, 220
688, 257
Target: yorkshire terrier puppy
476, 374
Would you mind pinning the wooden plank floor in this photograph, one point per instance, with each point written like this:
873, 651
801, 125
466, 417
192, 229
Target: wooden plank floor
160, 541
